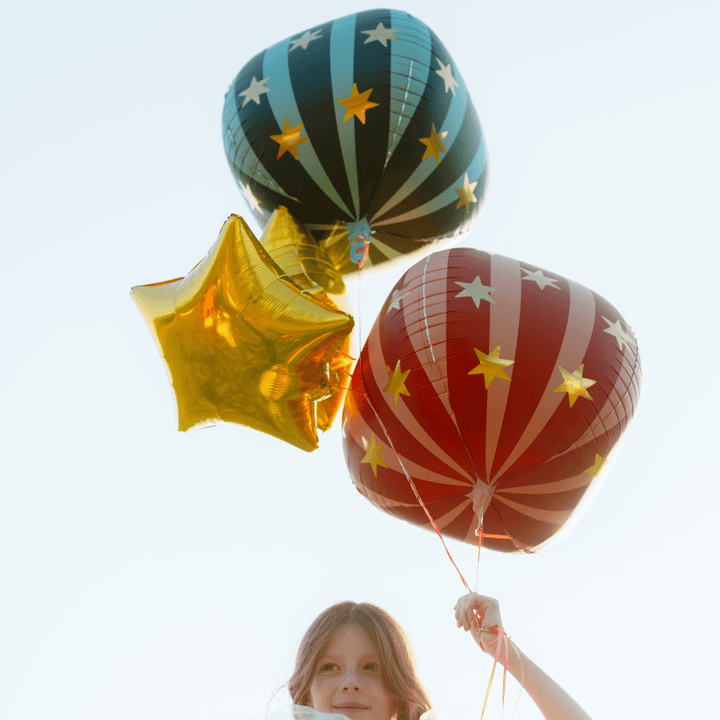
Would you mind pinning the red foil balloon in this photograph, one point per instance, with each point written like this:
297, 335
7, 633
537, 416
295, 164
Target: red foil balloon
497, 390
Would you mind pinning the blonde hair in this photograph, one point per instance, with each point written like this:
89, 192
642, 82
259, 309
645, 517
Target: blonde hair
389, 643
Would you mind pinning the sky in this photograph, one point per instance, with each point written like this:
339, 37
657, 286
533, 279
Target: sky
153, 574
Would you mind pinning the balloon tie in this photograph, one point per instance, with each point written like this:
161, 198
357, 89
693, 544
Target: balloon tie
359, 250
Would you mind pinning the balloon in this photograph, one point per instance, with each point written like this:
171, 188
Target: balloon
243, 343
364, 129
497, 390
306, 264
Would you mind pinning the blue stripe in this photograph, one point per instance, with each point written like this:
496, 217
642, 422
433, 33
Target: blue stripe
452, 124
449, 196
284, 107
342, 65
411, 57
243, 158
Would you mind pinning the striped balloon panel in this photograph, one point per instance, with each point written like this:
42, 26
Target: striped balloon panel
499, 390
400, 164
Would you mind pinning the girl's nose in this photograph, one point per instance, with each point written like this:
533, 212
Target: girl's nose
351, 681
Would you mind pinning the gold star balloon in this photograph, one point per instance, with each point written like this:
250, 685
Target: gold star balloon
308, 265
305, 262
243, 343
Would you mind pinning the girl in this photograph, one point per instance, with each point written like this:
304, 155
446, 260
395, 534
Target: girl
355, 660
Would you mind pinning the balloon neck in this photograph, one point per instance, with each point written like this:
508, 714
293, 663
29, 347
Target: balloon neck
359, 236
481, 495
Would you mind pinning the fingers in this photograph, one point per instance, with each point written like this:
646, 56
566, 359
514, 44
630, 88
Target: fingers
480, 615
477, 611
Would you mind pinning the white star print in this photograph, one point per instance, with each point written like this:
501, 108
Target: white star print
397, 296
445, 72
615, 329
255, 90
541, 280
381, 34
252, 201
305, 39
476, 290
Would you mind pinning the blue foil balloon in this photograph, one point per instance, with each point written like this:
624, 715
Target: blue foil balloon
364, 129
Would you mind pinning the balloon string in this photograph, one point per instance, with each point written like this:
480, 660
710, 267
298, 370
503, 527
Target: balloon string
501, 633
505, 674
479, 534
415, 490
359, 308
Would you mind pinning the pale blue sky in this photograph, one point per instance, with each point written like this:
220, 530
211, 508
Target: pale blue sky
151, 574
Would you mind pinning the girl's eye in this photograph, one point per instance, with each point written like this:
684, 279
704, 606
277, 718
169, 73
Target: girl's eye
327, 667
372, 667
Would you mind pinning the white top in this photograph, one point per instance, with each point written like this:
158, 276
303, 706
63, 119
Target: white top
300, 712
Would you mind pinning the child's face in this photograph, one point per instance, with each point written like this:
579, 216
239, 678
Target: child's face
348, 679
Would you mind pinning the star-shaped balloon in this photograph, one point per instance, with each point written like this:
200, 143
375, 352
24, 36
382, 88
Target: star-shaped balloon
300, 257
307, 265
243, 343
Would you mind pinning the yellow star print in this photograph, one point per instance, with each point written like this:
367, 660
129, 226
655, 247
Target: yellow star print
373, 454
466, 193
574, 384
434, 144
396, 382
491, 366
595, 469
289, 140
357, 104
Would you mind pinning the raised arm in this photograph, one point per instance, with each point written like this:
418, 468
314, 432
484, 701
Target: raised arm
480, 616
